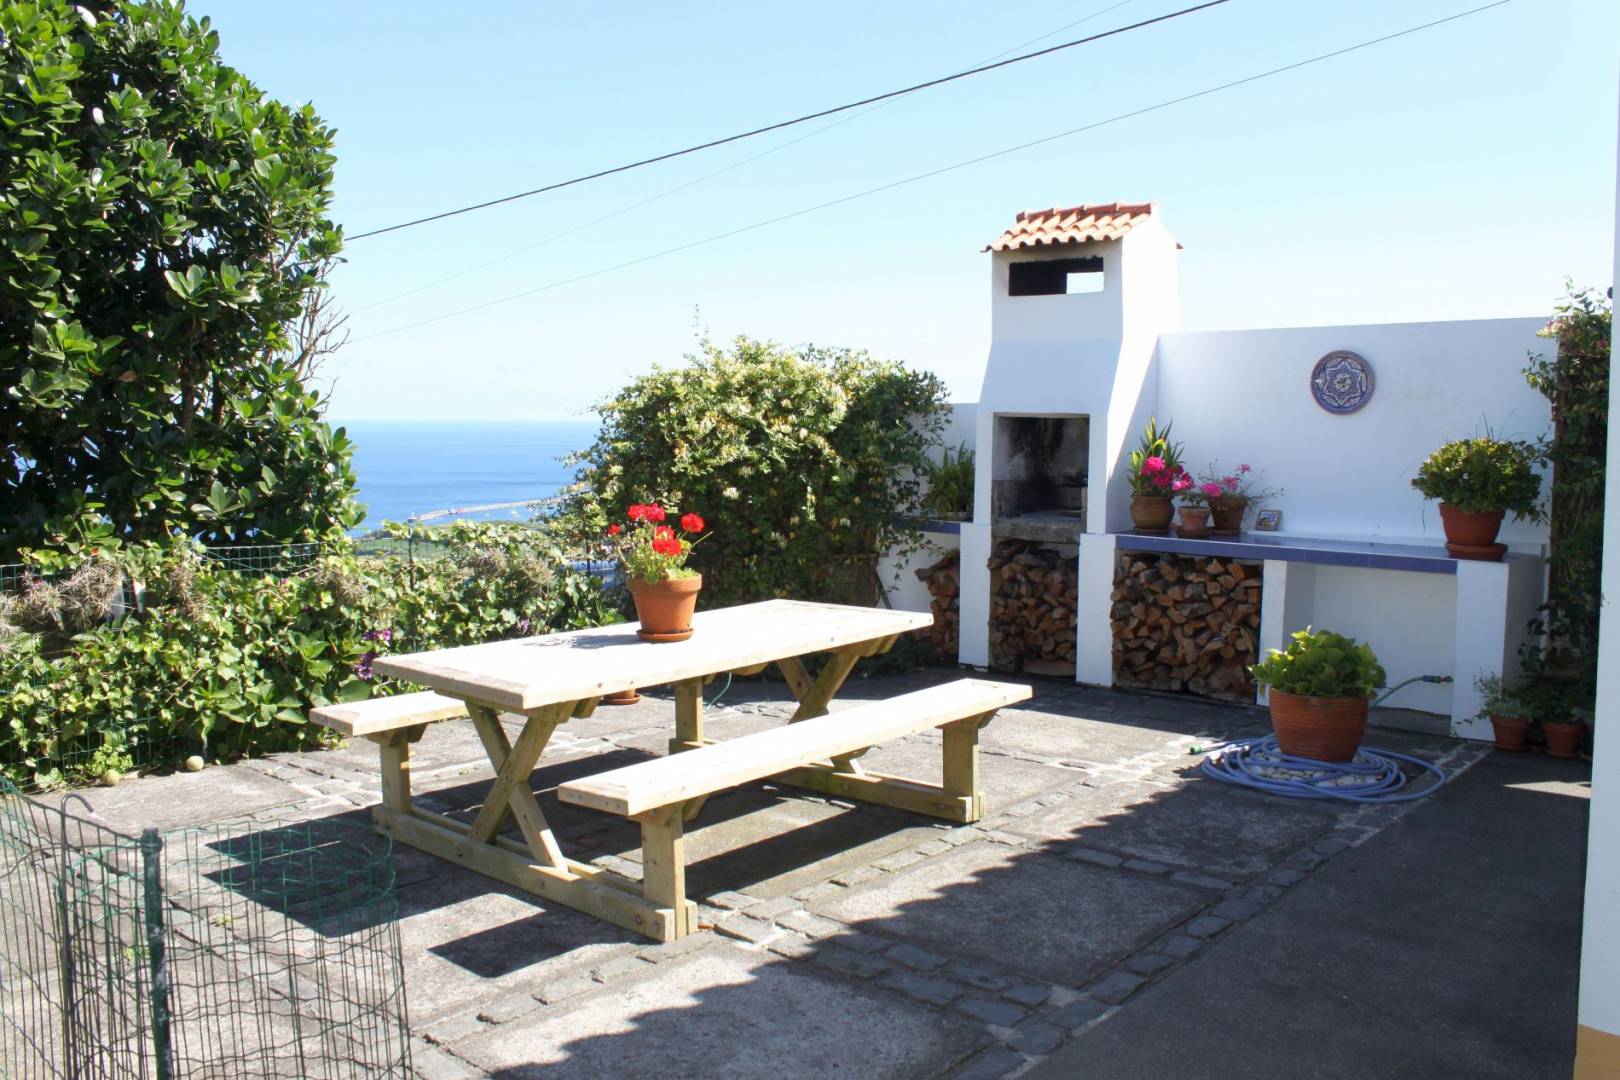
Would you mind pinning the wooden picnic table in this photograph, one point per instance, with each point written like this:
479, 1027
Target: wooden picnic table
554, 677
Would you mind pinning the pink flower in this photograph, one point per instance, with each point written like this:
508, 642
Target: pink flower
1243, 469
1161, 479
1231, 482
1153, 465
1181, 483
1212, 489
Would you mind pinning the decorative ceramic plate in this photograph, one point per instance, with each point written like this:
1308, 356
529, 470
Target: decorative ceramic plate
1341, 382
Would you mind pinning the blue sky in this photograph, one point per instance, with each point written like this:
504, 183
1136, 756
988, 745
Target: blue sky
1462, 172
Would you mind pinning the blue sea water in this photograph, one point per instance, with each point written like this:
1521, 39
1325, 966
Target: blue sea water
406, 468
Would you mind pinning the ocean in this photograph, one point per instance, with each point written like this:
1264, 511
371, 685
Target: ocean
407, 468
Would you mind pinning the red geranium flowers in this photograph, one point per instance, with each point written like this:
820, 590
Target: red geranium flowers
651, 550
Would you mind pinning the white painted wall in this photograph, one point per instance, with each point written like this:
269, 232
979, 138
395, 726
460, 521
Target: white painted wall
1600, 949
899, 576
1244, 397
1416, 641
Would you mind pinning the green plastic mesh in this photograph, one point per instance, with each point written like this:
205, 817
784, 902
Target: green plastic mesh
264, 948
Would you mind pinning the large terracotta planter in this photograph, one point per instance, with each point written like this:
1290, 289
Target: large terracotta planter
1563, 739
1472, 535
1323, 729
1510, 732
665, 608
1152, 513
1226, 516
1194, 521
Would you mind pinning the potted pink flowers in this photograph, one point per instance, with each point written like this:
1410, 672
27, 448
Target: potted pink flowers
1230, 495
653, 555
1195, 505
1156, 477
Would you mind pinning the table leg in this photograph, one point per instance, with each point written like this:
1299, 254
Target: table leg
510, 795
688, 716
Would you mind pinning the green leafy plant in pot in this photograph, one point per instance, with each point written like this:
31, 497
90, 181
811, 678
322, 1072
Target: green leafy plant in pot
653, 556
1507, 709
950, 485
1319, 688
1478, 482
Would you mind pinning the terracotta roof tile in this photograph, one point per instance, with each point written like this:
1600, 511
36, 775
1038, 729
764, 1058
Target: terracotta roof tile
1072, 225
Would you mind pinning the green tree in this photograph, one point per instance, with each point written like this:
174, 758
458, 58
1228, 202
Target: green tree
801, 462
164, 235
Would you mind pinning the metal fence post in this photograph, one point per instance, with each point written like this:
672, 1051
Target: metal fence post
152, 880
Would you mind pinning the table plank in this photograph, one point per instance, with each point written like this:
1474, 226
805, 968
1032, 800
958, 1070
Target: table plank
529, 673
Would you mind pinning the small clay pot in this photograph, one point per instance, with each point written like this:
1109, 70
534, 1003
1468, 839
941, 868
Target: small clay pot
1194, 521
1563, 739
665, 608
1322, 729
1472, 535
620, 697
1227, 516
1510, 732
1152, 513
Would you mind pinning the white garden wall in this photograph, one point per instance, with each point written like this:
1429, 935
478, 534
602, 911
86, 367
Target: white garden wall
1243, 396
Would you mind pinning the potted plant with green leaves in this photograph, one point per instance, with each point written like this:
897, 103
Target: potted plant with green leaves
1507, 710
950, 485
1556, 707
1155, 471
1319, 688
653, 556
1194, 506
1231, 495
1479, 481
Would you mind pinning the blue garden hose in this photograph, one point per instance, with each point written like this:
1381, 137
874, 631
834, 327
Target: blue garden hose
1372, 776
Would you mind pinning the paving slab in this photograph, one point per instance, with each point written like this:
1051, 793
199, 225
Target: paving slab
1054, 919
469, 942
1006, 780
1447, 945
181, 799
1225, 832
1060, 732
728, 1012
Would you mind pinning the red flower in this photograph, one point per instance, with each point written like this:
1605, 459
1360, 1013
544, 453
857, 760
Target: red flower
654, 512
615, 530
663, 532
691, 523
666, 545
637, 512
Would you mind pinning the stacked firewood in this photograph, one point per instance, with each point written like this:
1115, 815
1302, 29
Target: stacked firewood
944, 583
1032, 609
1186, 623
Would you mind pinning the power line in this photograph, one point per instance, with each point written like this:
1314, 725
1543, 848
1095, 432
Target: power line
554, 237
939, 171
790, 123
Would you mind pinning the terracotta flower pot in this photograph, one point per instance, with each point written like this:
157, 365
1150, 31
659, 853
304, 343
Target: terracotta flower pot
1563, 739
1227, 516
1510, 732
1194, 521
1323, 729
1152, 513
1473, 535
665, 608
620, 697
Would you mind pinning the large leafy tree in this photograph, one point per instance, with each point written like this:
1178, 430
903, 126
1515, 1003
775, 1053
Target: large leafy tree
164, 234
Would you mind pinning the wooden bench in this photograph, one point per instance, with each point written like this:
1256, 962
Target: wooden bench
820, 752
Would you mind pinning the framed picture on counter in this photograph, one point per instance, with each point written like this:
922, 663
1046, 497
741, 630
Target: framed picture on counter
1268, 520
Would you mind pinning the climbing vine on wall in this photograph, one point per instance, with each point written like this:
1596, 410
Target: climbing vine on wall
1575, 379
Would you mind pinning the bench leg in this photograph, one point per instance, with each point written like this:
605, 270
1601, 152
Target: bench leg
510, 794
394, 747
663, 864
961, 764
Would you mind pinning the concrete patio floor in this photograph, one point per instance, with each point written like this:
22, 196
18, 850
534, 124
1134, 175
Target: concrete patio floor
1115, 915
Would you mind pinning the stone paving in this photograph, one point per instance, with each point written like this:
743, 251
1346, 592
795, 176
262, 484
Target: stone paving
838, 937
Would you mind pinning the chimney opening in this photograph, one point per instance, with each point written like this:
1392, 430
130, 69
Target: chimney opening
1055, 277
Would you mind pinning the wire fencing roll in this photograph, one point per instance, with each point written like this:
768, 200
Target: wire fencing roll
243, 949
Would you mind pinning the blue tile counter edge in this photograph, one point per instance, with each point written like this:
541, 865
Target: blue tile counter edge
1419, 558
952, 528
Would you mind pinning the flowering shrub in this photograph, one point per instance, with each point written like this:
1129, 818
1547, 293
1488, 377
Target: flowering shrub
813, 458
650, 550
1156, 468
227, 664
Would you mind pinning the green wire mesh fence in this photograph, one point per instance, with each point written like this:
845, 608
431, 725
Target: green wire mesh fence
248, 949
